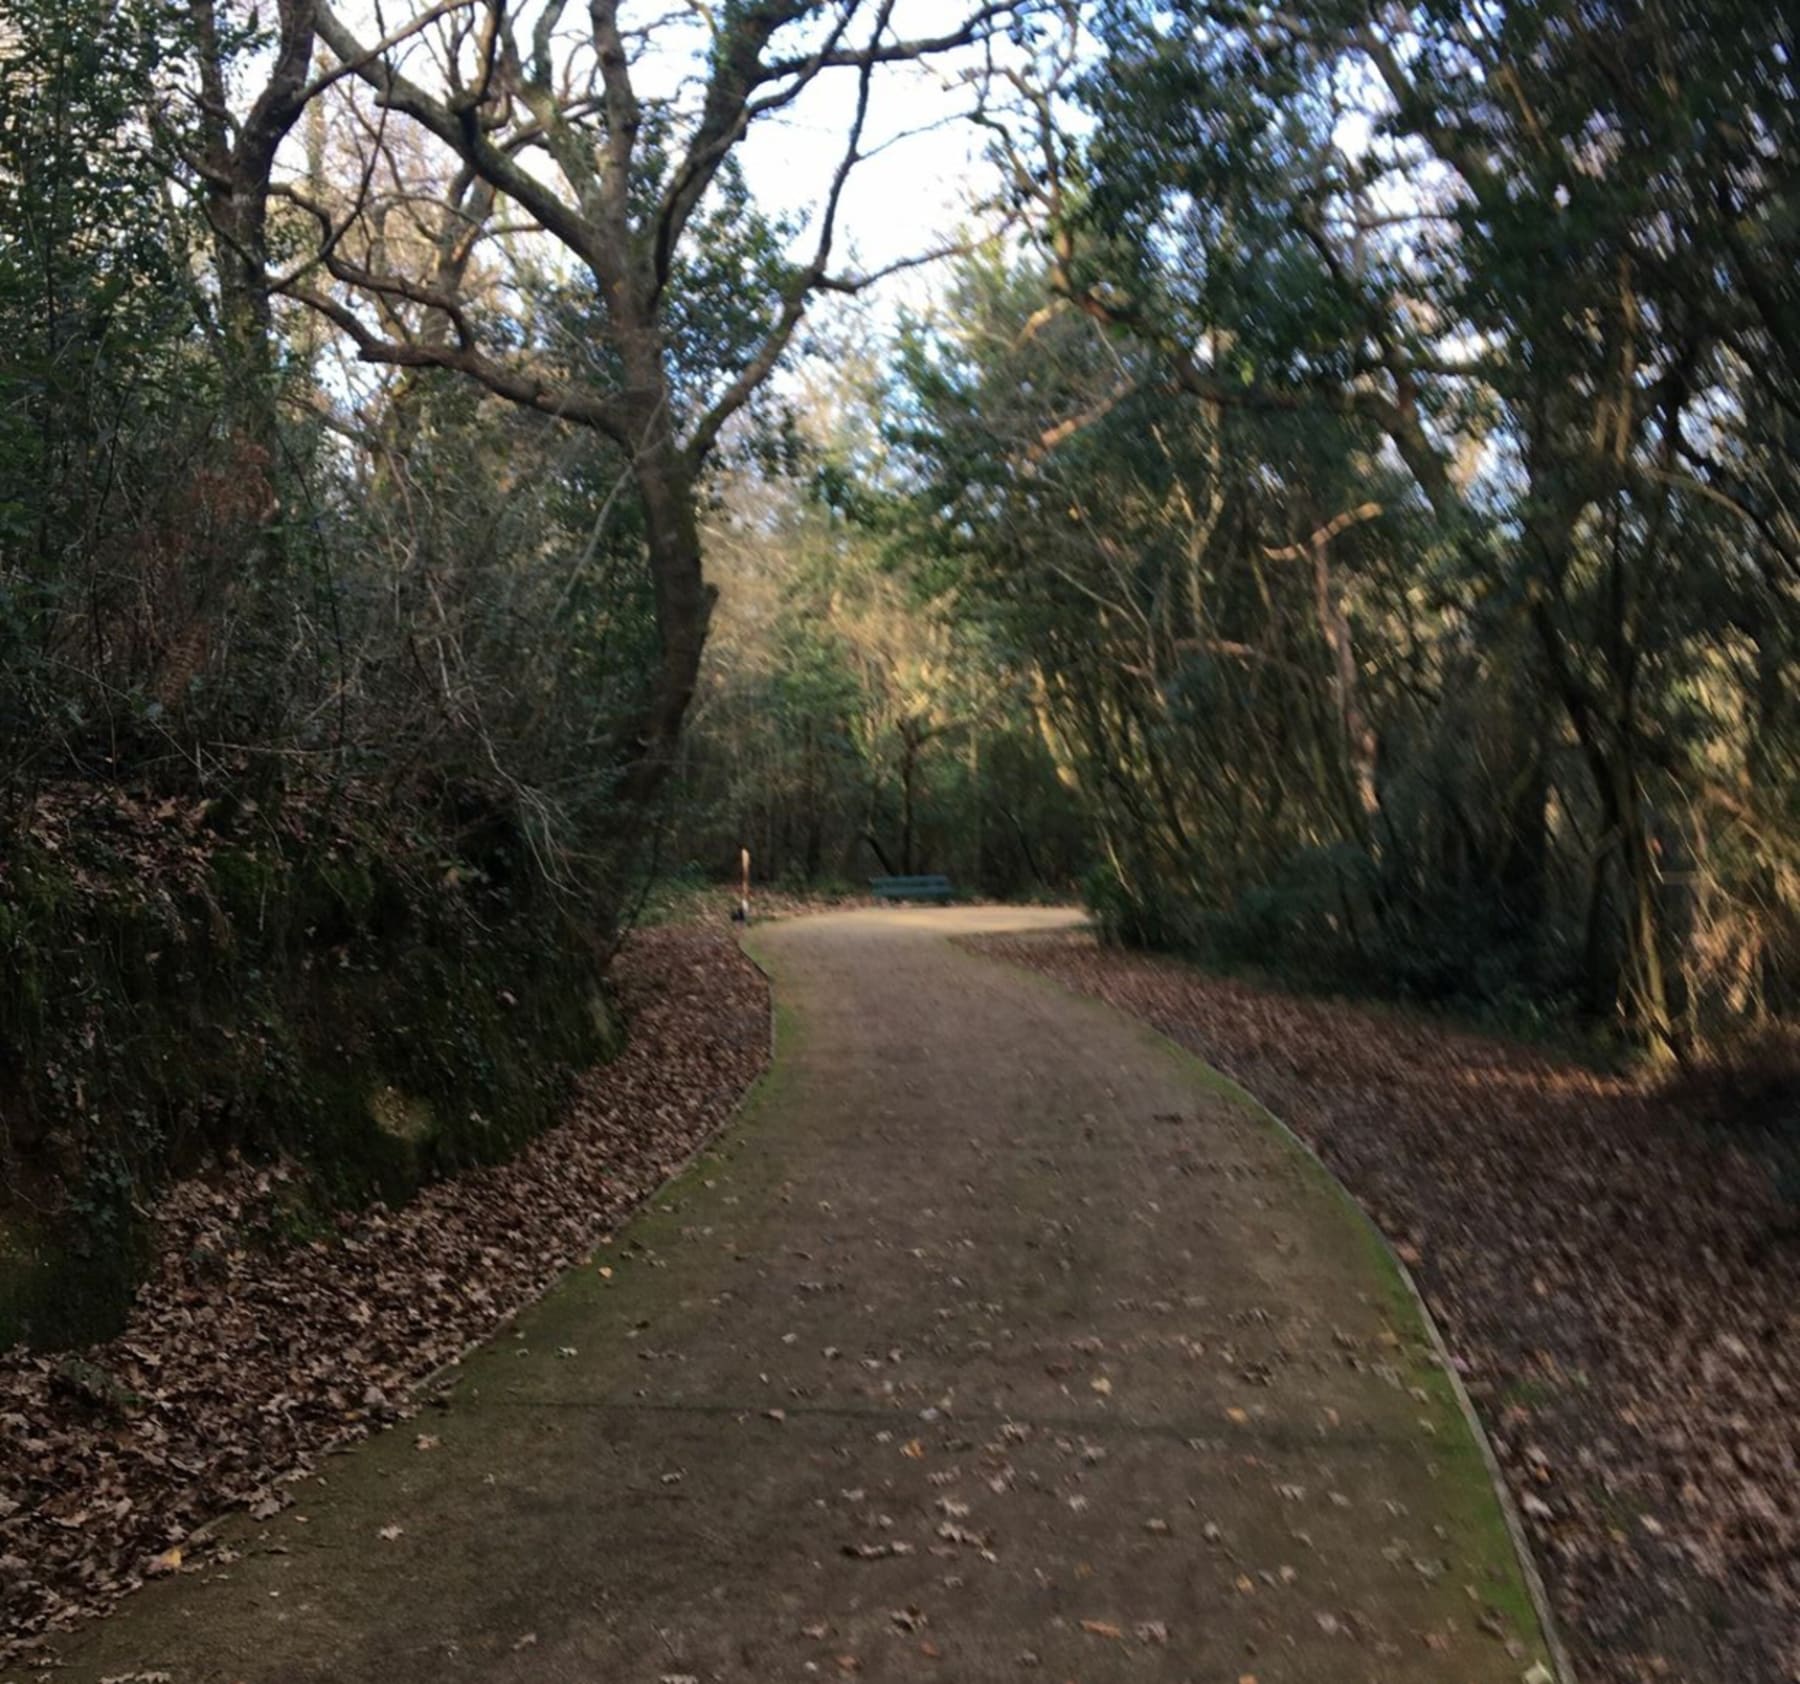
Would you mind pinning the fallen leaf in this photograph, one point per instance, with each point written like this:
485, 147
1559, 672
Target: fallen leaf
877, 1551
386, 1300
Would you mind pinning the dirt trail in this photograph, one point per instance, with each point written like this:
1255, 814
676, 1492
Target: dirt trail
998, 1339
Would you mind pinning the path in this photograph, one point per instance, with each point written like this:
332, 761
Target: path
999, 1340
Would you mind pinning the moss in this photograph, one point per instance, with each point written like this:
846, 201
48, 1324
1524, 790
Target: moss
336, 1001
608, 1029
243, 882
59, 1290
402, 1116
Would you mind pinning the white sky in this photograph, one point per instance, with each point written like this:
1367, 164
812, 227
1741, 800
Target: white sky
910, 197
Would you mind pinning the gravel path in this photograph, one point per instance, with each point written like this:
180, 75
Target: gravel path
998, 1339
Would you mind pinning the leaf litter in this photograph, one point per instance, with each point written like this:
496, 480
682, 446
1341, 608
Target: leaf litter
1619, 1287
243, 1362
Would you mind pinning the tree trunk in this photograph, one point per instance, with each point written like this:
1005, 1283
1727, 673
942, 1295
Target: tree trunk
908, 765
683, 600
1358, 735
881, 854
238, 161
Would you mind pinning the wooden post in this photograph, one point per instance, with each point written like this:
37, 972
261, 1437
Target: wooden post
744, 890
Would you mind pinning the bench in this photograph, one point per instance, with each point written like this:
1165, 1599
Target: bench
913, 888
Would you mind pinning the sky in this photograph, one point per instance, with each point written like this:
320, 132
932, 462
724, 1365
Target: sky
909, 197
903, 201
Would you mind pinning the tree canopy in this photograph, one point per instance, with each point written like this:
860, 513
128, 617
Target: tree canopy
1335, 495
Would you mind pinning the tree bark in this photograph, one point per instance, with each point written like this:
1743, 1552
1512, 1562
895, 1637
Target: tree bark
236, 166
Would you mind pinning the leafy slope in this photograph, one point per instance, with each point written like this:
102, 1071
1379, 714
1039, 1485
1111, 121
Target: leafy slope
252, 1351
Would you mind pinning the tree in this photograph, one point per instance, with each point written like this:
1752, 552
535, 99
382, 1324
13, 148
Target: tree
233, 158
635, 205
1466, 246
104, 400
855, 713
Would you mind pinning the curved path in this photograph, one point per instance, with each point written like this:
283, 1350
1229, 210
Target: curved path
997, 1340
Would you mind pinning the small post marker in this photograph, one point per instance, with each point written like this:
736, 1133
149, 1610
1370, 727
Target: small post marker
743, 906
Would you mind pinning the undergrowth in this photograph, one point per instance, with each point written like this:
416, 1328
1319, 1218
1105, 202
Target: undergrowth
181, 981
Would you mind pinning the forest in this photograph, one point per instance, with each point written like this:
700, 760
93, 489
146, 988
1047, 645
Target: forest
1330, 500
1320, 488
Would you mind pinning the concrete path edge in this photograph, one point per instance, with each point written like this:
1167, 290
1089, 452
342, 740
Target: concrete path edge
1515, 1526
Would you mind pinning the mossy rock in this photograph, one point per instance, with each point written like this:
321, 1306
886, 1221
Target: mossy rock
333, 1004
56, 1292
402, 1116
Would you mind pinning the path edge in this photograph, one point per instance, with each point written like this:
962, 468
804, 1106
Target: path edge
448, 1372
1560, 1663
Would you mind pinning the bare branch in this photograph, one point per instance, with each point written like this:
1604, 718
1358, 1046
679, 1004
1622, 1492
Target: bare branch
460, 132
547, 398
793, 307
1338, 523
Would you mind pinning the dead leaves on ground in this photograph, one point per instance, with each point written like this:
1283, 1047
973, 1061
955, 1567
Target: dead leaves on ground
1613, 1281
242, 1363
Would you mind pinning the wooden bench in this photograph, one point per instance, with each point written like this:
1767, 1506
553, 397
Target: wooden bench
913, 888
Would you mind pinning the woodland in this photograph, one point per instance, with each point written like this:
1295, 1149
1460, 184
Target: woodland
1331, 499
1334, 498
1328, 498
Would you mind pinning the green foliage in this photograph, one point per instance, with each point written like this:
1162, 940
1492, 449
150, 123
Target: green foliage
1380, 470
1359, 536
101, 395
854, 719
297, 985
